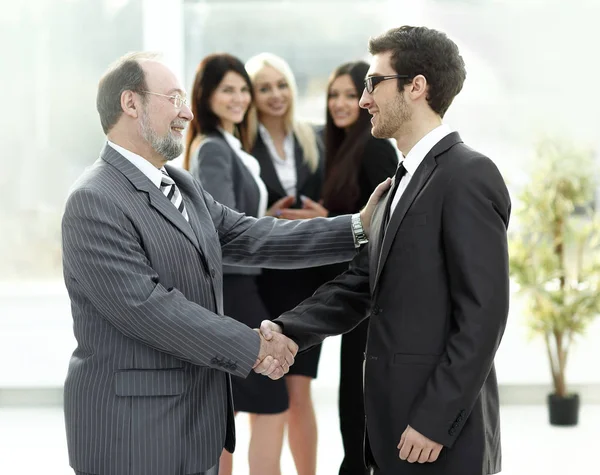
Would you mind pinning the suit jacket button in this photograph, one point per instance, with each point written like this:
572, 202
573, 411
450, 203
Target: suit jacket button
452, 431
213, 272
233, 367
215, 360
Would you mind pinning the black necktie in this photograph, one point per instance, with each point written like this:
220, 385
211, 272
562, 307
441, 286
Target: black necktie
400, 172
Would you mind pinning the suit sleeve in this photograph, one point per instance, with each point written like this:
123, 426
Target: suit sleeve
476, 212
214, 169
278, 243
103, 254
335, 308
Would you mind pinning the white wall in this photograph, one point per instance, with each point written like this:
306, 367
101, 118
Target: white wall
164, 31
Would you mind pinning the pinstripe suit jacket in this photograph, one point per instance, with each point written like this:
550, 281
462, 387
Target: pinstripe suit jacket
147, 390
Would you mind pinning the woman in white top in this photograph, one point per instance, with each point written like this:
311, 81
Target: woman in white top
289, 154
217, 154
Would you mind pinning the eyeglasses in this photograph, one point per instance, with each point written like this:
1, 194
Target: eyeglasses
372, 81
178, 99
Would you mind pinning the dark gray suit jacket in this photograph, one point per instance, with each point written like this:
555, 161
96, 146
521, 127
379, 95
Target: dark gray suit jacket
436, 290
147, 390
224, 175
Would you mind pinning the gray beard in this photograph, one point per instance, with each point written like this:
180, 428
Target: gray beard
167, 147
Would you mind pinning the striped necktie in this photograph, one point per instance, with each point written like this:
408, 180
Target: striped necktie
170, 190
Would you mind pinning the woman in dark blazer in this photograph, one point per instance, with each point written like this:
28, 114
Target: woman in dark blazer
290, 157
356, 163
217, 154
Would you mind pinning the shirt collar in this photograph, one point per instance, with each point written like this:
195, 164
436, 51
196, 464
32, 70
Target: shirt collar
418, 153
231, 139
288, 145
153, 173
264, 132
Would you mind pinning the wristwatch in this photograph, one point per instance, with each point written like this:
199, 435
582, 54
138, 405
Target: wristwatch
358, 231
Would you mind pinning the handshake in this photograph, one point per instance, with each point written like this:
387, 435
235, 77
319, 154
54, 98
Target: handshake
276, 353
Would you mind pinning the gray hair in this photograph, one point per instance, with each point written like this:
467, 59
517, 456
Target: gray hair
125, 74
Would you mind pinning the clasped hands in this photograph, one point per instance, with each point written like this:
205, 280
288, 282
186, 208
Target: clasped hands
276, 353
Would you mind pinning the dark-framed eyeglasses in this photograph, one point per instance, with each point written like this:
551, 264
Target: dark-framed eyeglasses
372, 81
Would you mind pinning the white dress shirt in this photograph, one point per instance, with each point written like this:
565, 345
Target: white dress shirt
253, 167
153, 173
416, 156
285, 168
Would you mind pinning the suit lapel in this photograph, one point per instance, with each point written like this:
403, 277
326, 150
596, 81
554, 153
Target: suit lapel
157, 199
186, 187
377, 231
160, 202
267, 168
416, 184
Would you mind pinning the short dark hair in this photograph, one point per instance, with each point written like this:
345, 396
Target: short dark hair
211, 71
421, 50
126, 74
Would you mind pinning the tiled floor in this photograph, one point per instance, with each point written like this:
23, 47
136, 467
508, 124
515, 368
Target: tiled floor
32, 442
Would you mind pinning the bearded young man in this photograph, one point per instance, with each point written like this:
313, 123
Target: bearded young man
433, 278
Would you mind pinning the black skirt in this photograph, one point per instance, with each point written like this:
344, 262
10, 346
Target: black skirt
255, 394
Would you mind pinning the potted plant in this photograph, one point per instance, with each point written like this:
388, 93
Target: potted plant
555, 259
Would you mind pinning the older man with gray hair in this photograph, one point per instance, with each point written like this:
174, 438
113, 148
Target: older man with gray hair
148, 386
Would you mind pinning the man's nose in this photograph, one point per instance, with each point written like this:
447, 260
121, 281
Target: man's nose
186, 113
365, 100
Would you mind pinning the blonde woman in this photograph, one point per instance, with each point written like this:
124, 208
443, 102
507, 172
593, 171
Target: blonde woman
290, 156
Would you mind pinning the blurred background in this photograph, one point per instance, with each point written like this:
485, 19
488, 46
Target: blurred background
532, 68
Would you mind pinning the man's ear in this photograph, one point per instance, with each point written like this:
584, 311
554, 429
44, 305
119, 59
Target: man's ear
418, 87
130, 104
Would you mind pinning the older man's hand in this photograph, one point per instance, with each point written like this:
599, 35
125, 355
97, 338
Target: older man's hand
367, 212
276, 354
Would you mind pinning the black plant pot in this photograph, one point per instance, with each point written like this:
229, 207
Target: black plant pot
564, 411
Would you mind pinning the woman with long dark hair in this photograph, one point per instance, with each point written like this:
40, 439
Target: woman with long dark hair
217, 154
